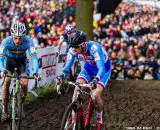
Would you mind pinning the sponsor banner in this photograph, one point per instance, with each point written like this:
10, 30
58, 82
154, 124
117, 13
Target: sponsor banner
47, 66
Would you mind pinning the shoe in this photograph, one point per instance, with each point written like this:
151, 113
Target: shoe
99, 126
4, 116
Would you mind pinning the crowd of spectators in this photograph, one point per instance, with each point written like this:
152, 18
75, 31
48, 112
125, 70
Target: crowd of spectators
131, 35
45, 19
132, 38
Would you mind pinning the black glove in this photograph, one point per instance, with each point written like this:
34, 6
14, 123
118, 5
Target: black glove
57, 54
5, 71
94, 84
37, 76
58, 80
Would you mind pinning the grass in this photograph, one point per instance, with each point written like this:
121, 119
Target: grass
41, 92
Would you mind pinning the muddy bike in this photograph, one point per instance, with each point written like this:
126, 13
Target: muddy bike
76, 117
63, 87
15, 101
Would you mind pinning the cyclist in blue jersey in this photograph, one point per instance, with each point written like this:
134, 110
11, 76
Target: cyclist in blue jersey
64, 37
96, 63
13, 55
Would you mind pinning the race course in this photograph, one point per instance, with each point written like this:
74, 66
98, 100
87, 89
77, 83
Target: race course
128, 104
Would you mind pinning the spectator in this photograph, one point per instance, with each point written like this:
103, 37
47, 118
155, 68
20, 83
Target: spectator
131, 34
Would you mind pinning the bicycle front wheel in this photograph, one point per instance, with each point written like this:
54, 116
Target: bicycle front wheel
19, 111
15, 115
70, 118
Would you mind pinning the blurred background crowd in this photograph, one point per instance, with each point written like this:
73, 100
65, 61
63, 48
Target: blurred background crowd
45, 20
131, 35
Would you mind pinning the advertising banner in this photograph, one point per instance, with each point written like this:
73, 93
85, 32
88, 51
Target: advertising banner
49, 66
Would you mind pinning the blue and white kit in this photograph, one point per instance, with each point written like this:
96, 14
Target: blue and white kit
64, 38
9, 50
96, 63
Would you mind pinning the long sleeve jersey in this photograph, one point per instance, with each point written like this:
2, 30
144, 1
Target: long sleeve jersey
9, 49
94, 54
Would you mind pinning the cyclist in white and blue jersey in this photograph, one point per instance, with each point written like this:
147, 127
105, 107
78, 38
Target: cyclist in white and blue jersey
64, 37
96, 63
13, 55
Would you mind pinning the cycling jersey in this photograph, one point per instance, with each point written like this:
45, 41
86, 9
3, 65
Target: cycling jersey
10, 50
96, 62
64, 38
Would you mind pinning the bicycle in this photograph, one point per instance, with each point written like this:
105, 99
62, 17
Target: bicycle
15, 104
76, 108
62, 88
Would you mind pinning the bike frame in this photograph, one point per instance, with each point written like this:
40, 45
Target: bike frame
89, 113
84, 122
15, 90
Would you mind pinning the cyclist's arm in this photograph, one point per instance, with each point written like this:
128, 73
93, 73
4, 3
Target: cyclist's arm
33, 55
99, 59
3, 49
68, 64
61, 40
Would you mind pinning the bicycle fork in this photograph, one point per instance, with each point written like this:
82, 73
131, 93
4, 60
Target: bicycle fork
80, 116
15, 91
88, 114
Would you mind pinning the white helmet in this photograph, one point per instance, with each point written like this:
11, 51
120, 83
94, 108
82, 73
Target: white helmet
18, 29
69, 28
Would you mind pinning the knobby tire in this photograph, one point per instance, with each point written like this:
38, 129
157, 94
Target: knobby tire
14, 124
67, 117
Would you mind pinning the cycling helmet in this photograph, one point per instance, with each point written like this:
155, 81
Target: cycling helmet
18, 29
77, 38
69, 28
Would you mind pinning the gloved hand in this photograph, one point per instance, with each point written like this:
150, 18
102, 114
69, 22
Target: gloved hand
37, 76
93, 84
58, 82
57, 54
3, 73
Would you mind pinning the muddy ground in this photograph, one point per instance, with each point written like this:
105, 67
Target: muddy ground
128, 105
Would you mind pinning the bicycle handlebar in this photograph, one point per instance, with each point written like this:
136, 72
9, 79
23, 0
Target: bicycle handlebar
78, 85
19, 76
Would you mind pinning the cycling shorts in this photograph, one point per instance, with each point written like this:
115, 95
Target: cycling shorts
20, 63
88, 71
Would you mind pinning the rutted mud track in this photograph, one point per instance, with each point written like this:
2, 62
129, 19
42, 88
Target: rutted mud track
127, 104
